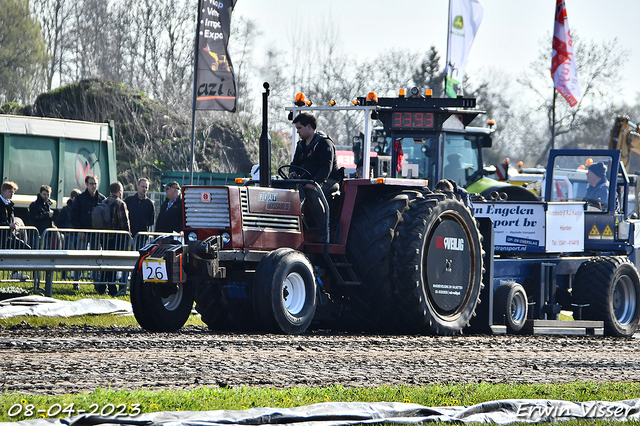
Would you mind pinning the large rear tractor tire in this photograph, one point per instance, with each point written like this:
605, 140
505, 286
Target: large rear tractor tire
161, 307
369, 249
438, 265
611, 287
510, 303
284, 293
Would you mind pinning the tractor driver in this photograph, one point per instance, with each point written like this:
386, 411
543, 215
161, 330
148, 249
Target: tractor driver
316, 153
598, 186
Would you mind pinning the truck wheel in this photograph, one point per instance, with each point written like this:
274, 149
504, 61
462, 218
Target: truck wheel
161, 307
284, 292
369, 248
510, 303
611, 287
438, 265
210, 306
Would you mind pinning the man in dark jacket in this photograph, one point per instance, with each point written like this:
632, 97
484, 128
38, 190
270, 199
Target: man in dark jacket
85, 202
141, 209
64, 217
597, 194
170, 216
70, 241
7, 214
40, 211
119, 222
316, 153
11, 239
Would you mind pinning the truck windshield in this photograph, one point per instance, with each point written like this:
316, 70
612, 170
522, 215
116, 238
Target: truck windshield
582, 178
460, 158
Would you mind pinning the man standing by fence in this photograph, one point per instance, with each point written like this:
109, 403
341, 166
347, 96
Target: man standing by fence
170, 216
85, 202
141, 209
7, 215
119, 222
40, 211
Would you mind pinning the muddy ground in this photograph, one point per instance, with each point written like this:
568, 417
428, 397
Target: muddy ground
79, 359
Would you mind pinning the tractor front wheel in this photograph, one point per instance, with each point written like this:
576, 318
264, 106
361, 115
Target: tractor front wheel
161, 307
284, 292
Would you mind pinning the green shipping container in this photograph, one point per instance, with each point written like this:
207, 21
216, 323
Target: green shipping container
38, 151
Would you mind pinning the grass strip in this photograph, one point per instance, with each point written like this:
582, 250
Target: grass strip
14, 407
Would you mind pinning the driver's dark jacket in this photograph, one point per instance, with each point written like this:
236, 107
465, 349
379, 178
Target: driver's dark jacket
599, 192
318, 158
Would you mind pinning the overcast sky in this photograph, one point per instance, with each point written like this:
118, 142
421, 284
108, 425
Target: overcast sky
508, 37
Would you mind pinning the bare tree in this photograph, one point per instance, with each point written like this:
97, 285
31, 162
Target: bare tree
54, 17
599, 72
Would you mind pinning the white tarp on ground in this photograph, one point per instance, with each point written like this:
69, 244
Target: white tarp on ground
40, 306
337, 413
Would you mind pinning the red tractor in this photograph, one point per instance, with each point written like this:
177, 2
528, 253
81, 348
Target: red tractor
399, 257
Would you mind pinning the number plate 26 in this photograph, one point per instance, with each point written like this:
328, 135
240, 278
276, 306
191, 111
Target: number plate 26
154, 270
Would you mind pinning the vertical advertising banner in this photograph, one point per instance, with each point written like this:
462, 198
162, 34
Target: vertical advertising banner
465, 17
215, 82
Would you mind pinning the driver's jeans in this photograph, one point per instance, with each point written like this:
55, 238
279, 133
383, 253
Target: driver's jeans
313, 203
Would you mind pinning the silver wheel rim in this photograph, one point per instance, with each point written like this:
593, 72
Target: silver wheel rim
293, 293
518, 307
172, 301
624, 300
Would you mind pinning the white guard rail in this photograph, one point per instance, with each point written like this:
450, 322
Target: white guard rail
65, 250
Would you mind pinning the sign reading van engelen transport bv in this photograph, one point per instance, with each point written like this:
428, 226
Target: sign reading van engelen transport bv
517, 228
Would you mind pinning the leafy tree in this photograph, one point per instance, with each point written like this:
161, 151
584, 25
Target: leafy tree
22, 52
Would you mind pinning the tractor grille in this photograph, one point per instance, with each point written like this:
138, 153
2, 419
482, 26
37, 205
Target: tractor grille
213, 214
266, 222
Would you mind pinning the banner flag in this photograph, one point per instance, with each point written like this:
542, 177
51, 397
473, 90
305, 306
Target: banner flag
563, 62
215, 82
465, 17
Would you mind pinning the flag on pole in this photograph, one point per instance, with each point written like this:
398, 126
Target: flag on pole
215, 84
563, 62
465, 17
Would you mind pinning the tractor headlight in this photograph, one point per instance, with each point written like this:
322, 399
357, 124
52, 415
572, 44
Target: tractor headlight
192, 236
226, 238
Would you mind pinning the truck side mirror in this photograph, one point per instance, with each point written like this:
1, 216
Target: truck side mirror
486, 141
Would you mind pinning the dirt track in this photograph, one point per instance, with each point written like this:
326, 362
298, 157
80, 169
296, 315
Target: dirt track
77, 359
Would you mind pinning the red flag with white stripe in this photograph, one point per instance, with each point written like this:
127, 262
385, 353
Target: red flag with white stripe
563, 61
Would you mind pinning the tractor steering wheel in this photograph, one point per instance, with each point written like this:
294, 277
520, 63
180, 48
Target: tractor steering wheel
293, 168
594, 203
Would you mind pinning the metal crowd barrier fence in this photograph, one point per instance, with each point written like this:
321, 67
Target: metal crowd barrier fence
24, 238
72, 256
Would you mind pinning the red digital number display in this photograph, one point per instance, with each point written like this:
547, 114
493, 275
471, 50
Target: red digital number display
412, 120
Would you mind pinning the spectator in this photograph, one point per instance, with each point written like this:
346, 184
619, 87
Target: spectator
12, 238
64, 218
7, 213
85, 202
119, 222
141, 209
81, 213
170, 216
445, 186
40, 211
71, 240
